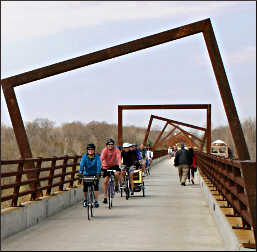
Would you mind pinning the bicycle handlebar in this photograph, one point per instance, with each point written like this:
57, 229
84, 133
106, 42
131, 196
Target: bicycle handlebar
111, 170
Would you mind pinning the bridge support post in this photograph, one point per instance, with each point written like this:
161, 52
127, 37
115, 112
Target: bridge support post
20, 134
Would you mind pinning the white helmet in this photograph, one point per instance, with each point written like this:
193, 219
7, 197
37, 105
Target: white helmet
126, 145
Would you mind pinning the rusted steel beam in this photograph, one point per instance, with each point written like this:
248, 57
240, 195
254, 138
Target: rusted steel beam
188, 139
202, 144
208, 131
108, 53
176, 122
158, 138
178, 139
165, 106
19, 131
120, 137
168, 134
225, 92
148, 130
17, 122
203, 26
186, 134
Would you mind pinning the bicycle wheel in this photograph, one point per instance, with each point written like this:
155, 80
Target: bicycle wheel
109, 196
127, 189
121, 191
92, 203
143, 189
88, 203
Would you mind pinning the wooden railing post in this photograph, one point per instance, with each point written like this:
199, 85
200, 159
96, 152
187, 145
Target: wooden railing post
51, 176
37, 191
64, 167
17, 184
73, 171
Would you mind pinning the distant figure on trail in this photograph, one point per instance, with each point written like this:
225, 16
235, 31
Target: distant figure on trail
183, 160
192, 168
170, 151
143, 151
149, 154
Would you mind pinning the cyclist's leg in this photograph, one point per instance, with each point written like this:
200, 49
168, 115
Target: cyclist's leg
143, 166
131, 177
85, 188
105, 182
122, 175
96, 190
117, 177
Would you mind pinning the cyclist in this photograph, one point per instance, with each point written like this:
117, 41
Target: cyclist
111, 159
149, 154
90, 165
142, 150
129, 159
134, 147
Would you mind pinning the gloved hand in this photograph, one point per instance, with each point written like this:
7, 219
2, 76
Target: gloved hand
80, 175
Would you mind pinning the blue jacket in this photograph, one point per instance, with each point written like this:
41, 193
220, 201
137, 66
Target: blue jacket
139, 157
90, 166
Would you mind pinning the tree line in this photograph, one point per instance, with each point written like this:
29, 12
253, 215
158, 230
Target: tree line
46, 140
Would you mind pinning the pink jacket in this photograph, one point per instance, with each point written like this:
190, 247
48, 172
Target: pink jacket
110, 158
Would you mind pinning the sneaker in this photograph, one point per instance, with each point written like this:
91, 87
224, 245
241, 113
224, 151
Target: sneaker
105, 201
96, 204
85, 203
183, 183
116, 188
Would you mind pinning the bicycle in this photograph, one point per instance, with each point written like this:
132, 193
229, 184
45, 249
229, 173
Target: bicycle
110, 187
90, 180
126, 184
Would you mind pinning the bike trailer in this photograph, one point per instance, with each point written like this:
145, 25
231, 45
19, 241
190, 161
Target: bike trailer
137, 177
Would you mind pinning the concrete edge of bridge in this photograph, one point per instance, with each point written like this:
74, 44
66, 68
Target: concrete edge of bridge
231, 240
16, 219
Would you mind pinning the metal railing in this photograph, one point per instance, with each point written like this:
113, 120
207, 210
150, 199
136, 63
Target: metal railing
49, 175
235, 181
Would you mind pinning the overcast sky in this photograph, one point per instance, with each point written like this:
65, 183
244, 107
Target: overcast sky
35, 34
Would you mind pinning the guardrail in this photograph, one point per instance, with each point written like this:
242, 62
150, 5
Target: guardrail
235, 182
49, 174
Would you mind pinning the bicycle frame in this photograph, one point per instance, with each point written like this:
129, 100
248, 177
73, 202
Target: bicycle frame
110, 187
90, 195
127, 183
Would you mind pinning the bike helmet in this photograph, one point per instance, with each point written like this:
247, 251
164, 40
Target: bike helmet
90, 146
126, 145
109, 140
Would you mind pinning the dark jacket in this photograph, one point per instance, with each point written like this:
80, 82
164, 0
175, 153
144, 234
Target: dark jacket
129, 158
183, 157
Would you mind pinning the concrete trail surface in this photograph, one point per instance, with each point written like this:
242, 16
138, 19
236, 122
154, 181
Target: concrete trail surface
169, 217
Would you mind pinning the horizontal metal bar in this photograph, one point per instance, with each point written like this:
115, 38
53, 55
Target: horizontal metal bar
108, 53
165, 106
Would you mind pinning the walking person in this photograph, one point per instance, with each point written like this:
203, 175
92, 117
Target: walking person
192, 168
183, 160
90, 165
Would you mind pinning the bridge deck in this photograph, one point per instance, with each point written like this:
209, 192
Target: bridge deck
169, 217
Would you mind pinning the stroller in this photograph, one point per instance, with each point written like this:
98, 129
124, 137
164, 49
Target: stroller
138, 180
